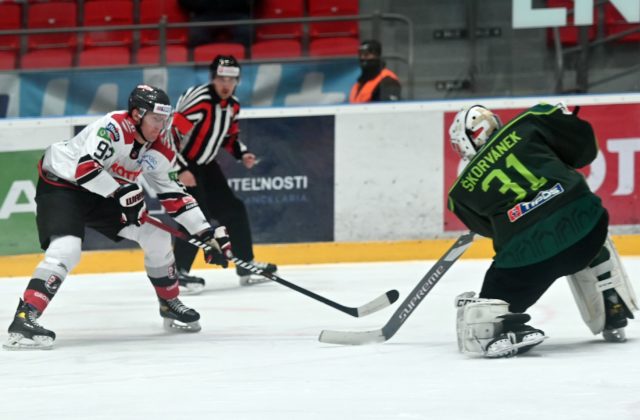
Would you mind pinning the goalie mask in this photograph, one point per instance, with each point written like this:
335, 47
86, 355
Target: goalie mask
470, 130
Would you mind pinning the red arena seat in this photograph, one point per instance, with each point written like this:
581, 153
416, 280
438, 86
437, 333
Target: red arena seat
47, 58
151, 54
319, 8
10, 18
108, 13
105, 56
275, 9
52, 15
151, 11
278, 48
207, 52
333, 46
7, 60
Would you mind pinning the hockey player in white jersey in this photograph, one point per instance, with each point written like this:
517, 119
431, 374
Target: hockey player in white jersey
90, 180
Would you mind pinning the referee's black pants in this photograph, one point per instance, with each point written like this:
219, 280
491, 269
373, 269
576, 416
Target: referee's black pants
217, 201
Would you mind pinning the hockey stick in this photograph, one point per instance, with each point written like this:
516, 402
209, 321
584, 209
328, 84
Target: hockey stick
410, 303
375, 305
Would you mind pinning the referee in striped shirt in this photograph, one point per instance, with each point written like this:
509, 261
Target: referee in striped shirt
206, 120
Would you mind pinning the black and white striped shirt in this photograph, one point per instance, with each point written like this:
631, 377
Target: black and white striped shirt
203, 123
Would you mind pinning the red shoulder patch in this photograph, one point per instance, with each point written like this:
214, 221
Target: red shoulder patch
165, 150
127, 125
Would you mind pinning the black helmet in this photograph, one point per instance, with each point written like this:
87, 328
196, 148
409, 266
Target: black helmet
224, 65
371, 46
149, 98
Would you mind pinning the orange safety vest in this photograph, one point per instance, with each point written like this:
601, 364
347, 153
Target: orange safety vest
362, 93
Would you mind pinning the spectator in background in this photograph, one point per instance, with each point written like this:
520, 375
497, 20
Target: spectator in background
376, 82
210, 10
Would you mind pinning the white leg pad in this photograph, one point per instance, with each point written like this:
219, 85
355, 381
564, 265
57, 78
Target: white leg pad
584, 286
477, 323
623, 287
587, 290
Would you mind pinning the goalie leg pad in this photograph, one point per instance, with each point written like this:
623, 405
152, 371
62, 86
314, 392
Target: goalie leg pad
624, 289
478, 323
486, 327
604, 275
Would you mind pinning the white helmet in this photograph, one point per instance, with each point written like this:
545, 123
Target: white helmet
471, 128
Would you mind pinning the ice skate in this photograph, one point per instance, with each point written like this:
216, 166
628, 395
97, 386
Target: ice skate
190, 285
514, 342
616, 335
247, 278
178, 317
25, 333
616, 319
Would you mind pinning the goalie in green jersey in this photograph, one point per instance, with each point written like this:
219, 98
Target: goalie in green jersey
521, 188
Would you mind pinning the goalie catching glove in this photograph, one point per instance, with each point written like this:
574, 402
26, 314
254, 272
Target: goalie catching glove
131, 200
217, 247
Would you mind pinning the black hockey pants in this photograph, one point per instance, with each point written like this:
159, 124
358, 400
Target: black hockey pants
521, 287
217, 201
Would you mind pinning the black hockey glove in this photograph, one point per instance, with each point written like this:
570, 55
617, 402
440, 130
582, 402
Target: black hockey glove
131, 200
219, 251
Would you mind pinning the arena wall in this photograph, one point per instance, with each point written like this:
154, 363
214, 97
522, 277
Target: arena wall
379, 173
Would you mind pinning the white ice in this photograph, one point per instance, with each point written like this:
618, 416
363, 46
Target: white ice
257, 356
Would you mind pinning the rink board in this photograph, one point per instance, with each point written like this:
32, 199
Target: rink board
286, 254
375, 179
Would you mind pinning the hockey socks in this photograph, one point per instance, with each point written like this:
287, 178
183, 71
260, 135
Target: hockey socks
176, 315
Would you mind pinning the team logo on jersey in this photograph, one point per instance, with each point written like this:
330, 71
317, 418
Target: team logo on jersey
525, 207
122, 172
103, 133
172, 273
113, 132
52, 284
149, 162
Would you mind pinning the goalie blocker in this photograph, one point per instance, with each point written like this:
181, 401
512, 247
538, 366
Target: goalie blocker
604, 294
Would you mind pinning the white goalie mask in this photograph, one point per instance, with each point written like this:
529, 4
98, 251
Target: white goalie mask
470, 130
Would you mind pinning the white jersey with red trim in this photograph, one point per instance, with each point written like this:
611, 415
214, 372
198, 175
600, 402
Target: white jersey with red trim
105, 155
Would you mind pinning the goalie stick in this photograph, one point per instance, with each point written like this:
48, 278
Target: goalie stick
410, 303
375, 305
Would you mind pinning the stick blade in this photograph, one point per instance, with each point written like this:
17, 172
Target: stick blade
380, 302
352, 338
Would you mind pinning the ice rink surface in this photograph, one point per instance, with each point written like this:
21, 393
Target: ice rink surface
258, 357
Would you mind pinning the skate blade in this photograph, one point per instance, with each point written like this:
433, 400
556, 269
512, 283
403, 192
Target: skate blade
191, 289
17, 341
252, 280
504, 348
173, 325
616, 335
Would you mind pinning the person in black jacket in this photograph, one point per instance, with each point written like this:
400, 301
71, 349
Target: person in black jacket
205, 121
215, 10
521, 189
